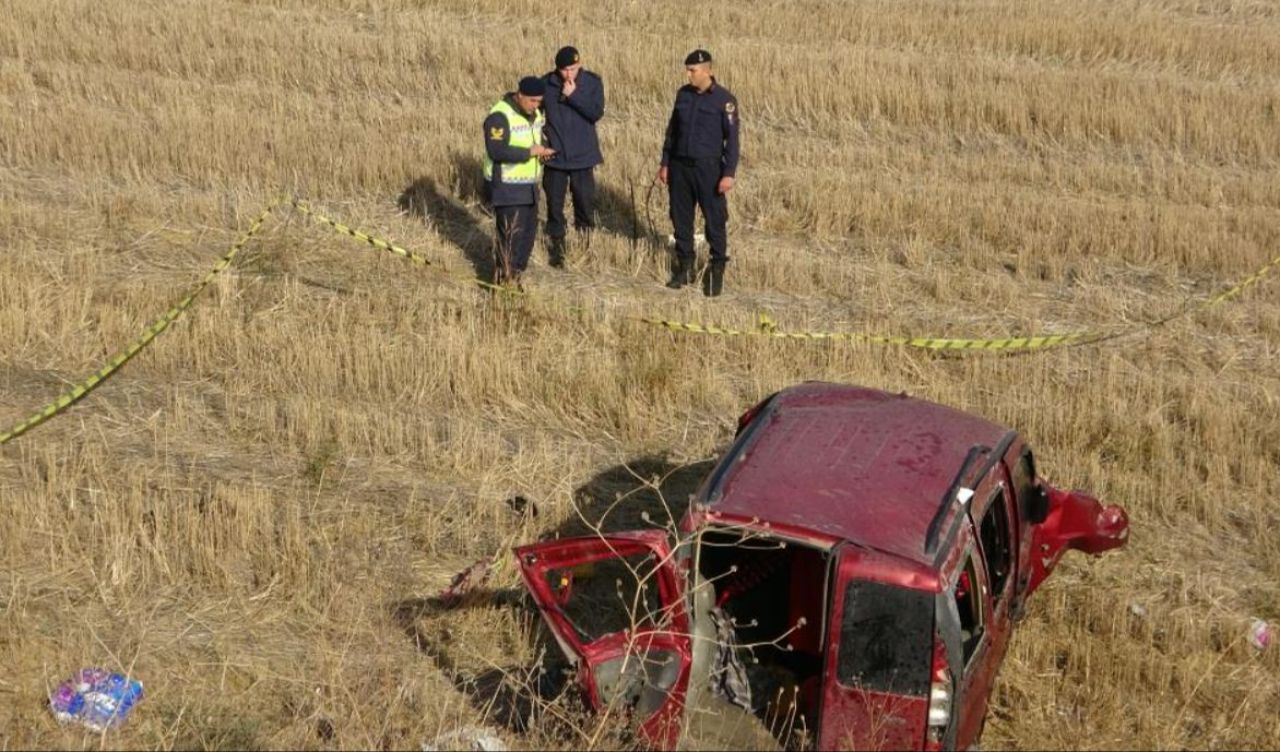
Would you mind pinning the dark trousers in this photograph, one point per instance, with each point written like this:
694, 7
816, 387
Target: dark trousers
517, 229
582, 184
690, 183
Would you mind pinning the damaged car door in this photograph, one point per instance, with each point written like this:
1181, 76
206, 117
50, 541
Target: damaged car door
615, 604
879, 663
990, 570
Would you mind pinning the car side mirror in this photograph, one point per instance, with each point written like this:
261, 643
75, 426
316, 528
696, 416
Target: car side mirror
1035, 509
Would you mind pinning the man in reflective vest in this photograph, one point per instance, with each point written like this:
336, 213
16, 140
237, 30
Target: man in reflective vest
512, 165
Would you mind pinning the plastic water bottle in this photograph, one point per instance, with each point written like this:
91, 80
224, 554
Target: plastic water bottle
95, 698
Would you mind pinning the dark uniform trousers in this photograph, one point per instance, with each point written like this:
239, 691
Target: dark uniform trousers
517, 230
693, 182
582, 185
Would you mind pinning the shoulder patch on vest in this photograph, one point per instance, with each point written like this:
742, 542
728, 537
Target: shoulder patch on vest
496, 134
729, 108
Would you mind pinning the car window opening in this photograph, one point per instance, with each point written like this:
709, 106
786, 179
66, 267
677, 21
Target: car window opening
606, 596
968, 596
773, 594
1030, 496
619, 595
996, 549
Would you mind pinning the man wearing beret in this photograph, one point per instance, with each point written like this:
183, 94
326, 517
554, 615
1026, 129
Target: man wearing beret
699, 163
513, 154
573, 105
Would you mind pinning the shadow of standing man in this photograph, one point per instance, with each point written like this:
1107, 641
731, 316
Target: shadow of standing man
423, 198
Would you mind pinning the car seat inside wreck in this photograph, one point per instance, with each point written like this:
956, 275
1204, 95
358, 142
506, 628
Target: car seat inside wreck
753, 627
765, 598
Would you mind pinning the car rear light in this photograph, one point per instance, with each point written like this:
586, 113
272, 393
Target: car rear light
940, 704
940, 696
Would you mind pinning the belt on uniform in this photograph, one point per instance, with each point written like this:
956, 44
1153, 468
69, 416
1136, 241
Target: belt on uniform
694, 160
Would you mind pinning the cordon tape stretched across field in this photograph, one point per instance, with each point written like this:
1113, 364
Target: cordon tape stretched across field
927, 343
765, 327
385, 245
81, 390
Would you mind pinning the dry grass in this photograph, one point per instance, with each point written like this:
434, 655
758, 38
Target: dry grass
249, 514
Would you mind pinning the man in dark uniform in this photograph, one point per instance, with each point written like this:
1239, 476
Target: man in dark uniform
699, 162
513, 157
574, 104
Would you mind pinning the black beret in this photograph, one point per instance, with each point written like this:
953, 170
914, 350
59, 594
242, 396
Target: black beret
532, 86
566, 56
697, 57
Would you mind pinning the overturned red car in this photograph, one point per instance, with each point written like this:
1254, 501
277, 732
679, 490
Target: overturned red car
847, 577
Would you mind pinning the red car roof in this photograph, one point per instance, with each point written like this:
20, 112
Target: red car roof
852, 463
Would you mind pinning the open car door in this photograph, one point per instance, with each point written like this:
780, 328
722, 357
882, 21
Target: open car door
615, 603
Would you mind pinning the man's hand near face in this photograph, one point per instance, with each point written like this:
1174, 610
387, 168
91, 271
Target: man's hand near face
570, 77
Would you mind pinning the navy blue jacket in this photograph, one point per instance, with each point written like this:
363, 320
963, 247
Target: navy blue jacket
571, 121
497, 144
704, 125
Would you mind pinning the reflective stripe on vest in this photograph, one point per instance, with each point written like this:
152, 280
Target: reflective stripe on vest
524, 134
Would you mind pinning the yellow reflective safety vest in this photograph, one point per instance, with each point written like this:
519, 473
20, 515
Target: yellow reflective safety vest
515, 182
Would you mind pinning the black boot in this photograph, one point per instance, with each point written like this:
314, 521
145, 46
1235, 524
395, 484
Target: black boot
713, 282
681, 273
556, 251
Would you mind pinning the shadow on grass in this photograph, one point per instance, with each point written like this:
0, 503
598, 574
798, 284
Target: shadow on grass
452, 218
507, 696
647, 492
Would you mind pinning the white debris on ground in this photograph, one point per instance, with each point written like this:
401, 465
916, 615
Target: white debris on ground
1261, 634
465, 582
469, 738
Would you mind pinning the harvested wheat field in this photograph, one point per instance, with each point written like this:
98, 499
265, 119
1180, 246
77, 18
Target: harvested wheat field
251, 514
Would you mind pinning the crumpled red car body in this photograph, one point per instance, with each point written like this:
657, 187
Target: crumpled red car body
848, 576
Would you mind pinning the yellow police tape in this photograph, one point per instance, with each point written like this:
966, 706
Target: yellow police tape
1242, 285
765, 326
306, 209
379, 243
81, 390
928, 343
